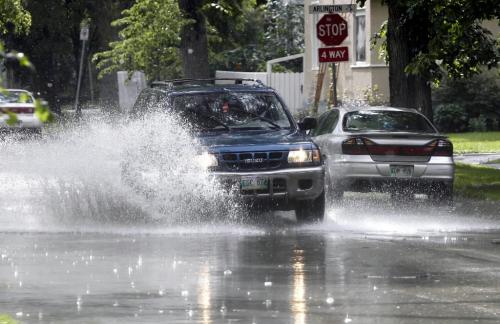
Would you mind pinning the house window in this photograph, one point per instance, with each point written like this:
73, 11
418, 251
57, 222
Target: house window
360, 36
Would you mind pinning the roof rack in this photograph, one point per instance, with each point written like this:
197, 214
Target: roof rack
175, 82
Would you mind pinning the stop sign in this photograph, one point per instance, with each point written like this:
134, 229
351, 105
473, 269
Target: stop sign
331, 29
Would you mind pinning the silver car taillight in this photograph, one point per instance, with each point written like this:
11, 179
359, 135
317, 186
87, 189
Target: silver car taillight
442, 147
355, 146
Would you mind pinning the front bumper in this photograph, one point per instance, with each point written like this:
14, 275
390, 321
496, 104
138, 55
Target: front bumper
290, 184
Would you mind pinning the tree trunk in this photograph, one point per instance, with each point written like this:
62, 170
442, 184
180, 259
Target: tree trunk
398, 51
194, 44
422, 96
409, 91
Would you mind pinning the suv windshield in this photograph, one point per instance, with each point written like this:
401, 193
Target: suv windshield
387, 121
235, 110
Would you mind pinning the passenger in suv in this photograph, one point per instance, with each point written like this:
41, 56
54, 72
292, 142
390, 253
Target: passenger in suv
252, 141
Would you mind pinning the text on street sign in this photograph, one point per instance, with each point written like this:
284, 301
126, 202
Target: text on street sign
333, 54
331, 29
317, 9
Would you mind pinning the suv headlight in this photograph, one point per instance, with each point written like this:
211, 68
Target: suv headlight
208, 160
304, 156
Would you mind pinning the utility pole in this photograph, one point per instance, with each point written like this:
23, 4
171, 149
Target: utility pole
84, 36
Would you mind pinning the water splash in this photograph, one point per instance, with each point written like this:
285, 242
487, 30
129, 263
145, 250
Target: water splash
143, 171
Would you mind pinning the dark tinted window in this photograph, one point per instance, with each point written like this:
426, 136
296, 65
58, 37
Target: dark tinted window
231, 109
326, 123
386, 121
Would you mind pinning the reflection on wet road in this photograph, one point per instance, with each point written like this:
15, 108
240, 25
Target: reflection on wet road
256, 274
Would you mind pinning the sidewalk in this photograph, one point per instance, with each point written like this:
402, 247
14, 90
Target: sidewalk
479, 158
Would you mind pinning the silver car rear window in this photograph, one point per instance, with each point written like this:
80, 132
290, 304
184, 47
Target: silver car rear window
15, 97
386, 121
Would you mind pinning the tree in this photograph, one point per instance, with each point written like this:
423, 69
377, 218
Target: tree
13, 17
428, 39
271, 30
53, 44
149, 40
157, 36
194, 43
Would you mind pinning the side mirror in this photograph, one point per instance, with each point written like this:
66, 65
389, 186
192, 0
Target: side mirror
308, 123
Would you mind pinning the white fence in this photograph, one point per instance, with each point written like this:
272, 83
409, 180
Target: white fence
129, 88
290, 86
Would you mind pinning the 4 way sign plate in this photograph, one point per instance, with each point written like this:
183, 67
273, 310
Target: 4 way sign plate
333, 54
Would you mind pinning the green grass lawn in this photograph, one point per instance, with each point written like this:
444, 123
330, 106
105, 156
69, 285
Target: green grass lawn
6, 319
479, 182
475, 142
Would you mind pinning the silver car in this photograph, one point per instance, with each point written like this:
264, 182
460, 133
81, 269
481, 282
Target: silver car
384, 149
22, 103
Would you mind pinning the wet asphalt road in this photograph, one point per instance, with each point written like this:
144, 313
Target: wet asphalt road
369, 263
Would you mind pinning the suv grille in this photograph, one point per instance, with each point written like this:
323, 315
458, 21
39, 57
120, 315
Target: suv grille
251, 161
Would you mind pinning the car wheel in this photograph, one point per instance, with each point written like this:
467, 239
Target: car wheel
308, 211
441, 193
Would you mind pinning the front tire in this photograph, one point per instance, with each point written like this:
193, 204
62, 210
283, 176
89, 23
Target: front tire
309, 211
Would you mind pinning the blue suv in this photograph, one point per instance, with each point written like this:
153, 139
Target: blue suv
252, 141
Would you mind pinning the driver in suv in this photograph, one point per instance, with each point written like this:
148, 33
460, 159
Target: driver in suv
251, 139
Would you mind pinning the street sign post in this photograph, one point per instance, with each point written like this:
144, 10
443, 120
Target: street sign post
331, 29
84, 36
333, 54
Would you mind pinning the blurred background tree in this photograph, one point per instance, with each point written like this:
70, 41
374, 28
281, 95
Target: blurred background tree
164, 38
471, 104
429, 40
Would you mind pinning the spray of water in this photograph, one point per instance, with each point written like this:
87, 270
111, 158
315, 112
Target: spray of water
144, 171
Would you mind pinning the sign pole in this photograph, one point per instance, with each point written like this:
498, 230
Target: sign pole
84, 36
334, 85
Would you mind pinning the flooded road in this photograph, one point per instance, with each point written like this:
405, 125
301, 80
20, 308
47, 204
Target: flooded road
250, 274
79, 244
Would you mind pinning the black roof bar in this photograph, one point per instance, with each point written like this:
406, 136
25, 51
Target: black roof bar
210, 80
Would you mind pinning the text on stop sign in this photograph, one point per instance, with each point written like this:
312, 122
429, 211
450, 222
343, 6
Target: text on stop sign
331, 29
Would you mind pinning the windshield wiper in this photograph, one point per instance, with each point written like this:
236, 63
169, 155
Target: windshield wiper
270, 121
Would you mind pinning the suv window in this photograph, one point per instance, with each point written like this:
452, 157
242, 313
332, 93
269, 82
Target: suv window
387, 121
235, 110
326, 123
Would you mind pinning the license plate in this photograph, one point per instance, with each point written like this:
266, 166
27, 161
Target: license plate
254, 183
401, 171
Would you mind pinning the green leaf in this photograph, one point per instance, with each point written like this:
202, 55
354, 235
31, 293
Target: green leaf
43, 112
12, 120
23, 97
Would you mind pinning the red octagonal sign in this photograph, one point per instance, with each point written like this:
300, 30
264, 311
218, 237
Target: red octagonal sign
331, 29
